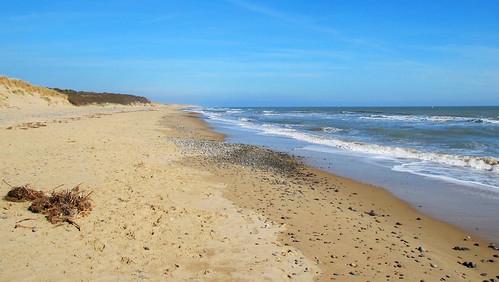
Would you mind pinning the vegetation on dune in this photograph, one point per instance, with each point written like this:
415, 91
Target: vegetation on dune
81, 98
57, 95
19, 87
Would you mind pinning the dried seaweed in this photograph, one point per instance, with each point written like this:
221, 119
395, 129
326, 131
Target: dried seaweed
58, 207
63, 206
22, 193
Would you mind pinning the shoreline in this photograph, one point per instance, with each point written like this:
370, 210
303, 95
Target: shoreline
171, 201
223, 137
379, 196
447, 200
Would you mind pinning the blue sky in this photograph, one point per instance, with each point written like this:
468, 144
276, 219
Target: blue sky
245, 52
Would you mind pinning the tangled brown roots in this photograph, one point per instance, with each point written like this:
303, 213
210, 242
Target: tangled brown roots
23, 194
58, 207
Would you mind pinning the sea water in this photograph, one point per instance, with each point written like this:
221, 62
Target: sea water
419, 153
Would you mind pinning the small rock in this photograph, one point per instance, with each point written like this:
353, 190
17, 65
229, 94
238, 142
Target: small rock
433, 265
469, 264
493, 247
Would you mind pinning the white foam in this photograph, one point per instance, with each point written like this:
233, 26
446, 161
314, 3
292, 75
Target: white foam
460, 177
495, 121
489, 164
331, 129
410, 118
269, 113
234, 111
480, 163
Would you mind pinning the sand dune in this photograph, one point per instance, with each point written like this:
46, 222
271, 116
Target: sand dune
18, 94
22, 103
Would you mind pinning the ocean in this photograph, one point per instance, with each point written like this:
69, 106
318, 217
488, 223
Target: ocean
438, 157
451, 143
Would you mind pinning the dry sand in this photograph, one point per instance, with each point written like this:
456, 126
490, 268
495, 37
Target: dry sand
153, 218
162, 212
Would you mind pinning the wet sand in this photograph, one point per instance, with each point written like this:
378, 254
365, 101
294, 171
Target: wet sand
439, 199
172, 201
352, 231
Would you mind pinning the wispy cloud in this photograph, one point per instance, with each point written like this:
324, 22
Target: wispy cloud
476, 57
159, 19
297, 53
36, 17
470, 51
287, 17
308, 23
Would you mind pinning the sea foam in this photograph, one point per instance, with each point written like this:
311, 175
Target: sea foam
479, 163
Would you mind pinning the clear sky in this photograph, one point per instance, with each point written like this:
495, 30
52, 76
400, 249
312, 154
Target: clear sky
256, 52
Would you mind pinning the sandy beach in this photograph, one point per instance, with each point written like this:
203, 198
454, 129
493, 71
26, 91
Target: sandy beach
249, 140
172, 201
